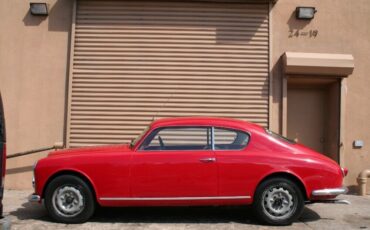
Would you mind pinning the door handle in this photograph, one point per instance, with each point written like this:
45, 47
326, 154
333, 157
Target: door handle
208, 160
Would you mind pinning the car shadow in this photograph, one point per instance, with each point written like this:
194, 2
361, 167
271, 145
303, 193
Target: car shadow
175, 215
309, 215
209, 214
31, 211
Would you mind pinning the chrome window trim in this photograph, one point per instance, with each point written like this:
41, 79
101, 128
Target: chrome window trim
198, 126
213, 138
173, 198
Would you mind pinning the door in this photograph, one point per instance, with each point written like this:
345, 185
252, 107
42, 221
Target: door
314, 114
307, 111
234, 167
175, 162
135, 60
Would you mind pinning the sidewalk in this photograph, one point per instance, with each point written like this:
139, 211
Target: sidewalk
24, 215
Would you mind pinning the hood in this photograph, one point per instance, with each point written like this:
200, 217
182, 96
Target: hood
90, 150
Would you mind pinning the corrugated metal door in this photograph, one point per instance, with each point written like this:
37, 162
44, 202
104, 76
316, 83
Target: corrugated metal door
135, 60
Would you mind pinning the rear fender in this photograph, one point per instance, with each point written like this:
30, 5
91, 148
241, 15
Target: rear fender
287, 174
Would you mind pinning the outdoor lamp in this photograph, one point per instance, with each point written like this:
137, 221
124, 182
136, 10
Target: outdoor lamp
304, 12
39, 9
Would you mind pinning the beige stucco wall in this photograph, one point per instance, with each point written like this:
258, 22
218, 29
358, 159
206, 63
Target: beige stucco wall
342, 27
33, 60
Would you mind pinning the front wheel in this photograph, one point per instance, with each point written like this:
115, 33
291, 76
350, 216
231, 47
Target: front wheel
278, 201
69, 199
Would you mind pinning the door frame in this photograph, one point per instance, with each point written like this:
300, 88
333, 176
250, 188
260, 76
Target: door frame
342, 112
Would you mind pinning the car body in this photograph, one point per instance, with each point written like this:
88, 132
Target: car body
197, 161
2, 154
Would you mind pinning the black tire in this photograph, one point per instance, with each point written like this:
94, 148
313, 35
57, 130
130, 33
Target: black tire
284, 196
73, 190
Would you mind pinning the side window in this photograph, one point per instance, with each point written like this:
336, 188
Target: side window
179, 138
228, 139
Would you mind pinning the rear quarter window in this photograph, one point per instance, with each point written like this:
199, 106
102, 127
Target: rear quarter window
229, 139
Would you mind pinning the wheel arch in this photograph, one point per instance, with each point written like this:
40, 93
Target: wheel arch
290, 176
72, 172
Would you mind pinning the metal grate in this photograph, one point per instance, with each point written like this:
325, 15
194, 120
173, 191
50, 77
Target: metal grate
135, 60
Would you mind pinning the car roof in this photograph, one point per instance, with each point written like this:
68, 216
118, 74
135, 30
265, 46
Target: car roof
204, 121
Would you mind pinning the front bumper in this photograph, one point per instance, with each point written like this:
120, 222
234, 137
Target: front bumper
34, 198
329, 192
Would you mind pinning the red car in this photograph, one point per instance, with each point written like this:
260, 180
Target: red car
189, 161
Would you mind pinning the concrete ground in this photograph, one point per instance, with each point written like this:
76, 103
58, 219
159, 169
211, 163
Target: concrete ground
24, 215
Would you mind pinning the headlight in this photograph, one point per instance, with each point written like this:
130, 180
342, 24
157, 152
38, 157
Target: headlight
34, 165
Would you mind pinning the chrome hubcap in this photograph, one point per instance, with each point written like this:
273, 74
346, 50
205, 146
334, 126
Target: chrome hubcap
68, 201
278, 203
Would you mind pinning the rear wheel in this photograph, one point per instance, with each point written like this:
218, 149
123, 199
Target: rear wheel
278, 201
69, 199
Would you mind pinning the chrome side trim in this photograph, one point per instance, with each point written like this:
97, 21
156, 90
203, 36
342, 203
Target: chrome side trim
34, 198
174, 198
330, 191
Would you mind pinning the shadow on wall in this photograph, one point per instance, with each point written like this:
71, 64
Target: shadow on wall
59, 18
19, 170
278, 73
295, 24
228, 34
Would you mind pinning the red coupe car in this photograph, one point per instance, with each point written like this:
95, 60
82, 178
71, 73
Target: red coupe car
190, 161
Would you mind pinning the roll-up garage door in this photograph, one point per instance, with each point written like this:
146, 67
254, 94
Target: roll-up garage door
135, 61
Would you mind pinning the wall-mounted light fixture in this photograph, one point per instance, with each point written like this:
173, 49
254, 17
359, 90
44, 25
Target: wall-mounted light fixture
357, 144
39, 9
304, 12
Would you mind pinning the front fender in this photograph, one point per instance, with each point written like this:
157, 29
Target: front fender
44, 176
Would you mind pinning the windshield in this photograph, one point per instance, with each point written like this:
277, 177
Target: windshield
133, 143
280, 137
